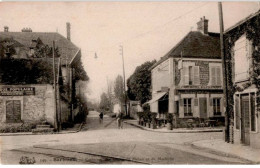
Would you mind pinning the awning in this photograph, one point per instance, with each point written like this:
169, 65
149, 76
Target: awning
157, 97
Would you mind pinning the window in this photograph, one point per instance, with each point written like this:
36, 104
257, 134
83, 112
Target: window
187, 107
216, 106
242, 54
190, 75
215, 76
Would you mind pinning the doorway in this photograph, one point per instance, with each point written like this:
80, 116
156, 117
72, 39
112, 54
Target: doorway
13, 111
203, 107
245, 122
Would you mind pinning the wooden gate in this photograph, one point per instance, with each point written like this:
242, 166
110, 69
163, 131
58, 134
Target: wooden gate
13, 111
245, 122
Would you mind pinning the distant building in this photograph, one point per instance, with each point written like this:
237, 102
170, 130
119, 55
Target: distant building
242, 52
27, 94
187, 81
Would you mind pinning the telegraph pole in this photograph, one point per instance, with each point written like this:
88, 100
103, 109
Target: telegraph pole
54, 86
123, 62
223, 56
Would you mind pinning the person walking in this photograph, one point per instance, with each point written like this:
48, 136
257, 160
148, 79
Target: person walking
119, 120
101, 115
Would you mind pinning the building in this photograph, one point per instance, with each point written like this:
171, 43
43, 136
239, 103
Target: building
242, 50
26, 76
187, 81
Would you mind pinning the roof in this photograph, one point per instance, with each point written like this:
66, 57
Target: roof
67, 49
243, 21
195, 45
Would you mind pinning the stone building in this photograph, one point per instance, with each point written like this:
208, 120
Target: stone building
26, 76
187, 81
242, 50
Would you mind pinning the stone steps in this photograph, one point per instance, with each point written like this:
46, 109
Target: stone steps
42, 130
43, 126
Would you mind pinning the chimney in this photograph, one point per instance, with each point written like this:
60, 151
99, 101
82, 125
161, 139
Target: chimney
203, 25
68, 30
6, 29
26, 29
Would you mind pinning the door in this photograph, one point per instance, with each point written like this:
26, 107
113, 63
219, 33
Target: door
245, 123
203, 107
13, 111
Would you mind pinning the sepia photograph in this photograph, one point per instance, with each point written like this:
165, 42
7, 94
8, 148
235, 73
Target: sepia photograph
130, 83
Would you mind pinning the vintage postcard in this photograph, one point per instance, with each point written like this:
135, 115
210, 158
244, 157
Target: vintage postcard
140, 83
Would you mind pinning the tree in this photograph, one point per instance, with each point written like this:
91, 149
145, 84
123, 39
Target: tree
104, 102
119, 89
139, 83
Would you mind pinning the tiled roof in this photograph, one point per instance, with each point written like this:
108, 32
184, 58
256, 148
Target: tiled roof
195, 45
67, 49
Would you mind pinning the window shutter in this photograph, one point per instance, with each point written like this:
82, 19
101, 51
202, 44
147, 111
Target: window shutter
213, 76
218, 76
196, 102
196, 72
181, 102
186, 75
211, 102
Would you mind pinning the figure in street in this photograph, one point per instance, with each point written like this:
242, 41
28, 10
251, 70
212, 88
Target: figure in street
119, 120
101, 115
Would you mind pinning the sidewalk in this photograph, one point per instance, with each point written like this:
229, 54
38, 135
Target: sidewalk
235, 150
178, 130
75, 129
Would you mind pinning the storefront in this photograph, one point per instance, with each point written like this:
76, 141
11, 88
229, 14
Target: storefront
26, 103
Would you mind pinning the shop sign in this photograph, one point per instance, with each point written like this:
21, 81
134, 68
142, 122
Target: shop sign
17, 91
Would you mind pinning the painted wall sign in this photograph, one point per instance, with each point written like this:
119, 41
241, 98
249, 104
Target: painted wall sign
17, 91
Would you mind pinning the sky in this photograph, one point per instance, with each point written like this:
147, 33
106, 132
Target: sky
146, 30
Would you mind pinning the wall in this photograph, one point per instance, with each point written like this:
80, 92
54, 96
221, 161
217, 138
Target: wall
161, 76
33, 107
203, 71
196, 109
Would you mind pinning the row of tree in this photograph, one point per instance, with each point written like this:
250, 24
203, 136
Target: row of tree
138, 88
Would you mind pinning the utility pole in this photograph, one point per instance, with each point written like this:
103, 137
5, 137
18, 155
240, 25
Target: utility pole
223, 56
123, 62
59, 101
54, 86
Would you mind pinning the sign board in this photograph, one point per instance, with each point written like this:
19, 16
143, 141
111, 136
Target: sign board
198, 87
17, 91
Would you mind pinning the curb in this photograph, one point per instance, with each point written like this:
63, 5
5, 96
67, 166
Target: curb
221, 153
174, 131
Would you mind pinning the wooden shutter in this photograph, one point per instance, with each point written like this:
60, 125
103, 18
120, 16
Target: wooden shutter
218, 76
211, 101
186, 75
196, 77
237, 111
213, 76
196, 102
181, 102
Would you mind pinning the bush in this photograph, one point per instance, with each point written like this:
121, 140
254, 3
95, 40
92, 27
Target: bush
26, 127
169, 118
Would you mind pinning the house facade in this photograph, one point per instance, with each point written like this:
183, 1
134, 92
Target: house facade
187, 81
27, 82
242, 50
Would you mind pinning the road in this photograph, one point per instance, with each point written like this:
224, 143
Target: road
106, 144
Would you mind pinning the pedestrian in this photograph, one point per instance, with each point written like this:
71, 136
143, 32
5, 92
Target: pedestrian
101, 115
120, 120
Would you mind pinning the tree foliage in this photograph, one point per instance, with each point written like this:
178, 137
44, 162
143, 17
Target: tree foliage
104, 102
119, 88
139, 83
